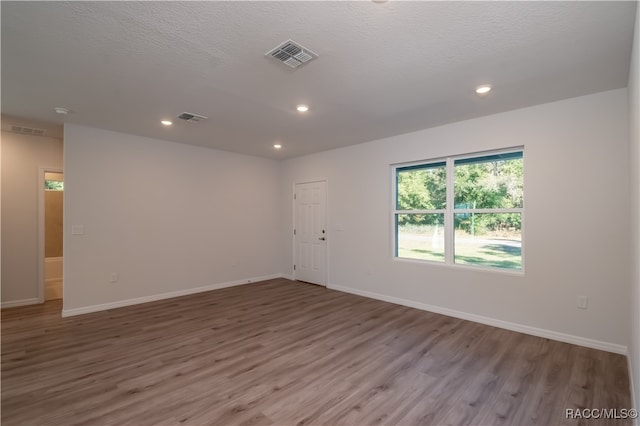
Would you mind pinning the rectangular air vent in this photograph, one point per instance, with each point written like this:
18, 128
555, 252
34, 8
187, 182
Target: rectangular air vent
291, 54
192, 118
27, 130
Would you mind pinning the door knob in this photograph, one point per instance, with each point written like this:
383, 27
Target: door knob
322, 238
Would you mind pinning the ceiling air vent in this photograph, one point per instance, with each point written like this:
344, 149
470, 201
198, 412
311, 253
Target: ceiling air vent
292, 54
191, 118
27, 130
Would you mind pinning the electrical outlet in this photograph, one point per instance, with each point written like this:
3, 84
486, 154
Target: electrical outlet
113, 277
583, 301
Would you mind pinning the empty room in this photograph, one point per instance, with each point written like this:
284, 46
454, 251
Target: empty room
316, 212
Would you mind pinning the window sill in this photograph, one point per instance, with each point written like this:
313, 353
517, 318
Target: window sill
516, 273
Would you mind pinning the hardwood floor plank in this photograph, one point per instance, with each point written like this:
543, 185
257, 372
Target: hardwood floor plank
287, 353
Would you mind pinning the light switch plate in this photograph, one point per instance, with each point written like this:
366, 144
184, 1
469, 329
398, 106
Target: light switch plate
77, 229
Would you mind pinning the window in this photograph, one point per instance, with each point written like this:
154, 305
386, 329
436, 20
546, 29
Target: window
53, 185
465, 210
53, 181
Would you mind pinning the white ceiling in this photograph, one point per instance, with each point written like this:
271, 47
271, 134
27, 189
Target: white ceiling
384, 68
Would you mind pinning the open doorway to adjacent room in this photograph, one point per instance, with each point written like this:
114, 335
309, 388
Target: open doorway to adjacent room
52, 233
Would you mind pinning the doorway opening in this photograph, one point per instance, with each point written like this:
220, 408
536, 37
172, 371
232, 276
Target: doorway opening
52, 218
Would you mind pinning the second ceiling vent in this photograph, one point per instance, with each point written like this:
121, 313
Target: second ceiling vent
27, 130
191, 118
291, 54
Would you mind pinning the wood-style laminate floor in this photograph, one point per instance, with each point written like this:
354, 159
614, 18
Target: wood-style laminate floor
285, 353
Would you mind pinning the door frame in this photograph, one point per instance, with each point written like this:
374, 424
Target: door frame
41, 234
326, 218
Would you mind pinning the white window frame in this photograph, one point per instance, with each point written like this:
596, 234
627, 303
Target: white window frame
450, 211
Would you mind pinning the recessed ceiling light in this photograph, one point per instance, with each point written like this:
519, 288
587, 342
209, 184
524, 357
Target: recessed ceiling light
302, 108
483, 90
277, 146
167, 122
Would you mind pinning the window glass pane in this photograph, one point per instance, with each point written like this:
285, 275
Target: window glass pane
489, 239
53, 185
493, 181
421, 187
420, 236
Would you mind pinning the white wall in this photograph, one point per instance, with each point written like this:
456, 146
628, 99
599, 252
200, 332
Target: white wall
634, 130
166, 217
576, 168
22, 156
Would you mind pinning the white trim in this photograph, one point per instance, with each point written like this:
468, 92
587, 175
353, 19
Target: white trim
475, 268
21, 302
393, 203
287, 277
162, 296
489, 152
449, 215
534, 331
41, 237
513, 210
436, 211
293, 231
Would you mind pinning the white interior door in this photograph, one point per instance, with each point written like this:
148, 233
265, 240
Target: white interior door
310, 232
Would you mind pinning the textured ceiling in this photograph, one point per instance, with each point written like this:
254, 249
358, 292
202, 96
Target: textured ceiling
384, 68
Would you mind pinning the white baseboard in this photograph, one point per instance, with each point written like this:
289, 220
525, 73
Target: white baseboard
21, 302
287, 276
534, 331
155, 297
